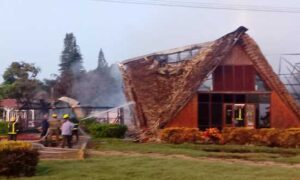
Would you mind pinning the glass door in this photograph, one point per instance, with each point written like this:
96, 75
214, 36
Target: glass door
239, 115
228, 115
250, 115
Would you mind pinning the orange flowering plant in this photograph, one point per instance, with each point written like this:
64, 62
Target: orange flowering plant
213, 135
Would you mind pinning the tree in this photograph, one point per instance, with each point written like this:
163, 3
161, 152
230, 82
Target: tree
20, 82
19, 71
71, 68
5, 90
71, 59
102, 63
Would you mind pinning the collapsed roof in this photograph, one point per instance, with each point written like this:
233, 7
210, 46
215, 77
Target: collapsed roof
162, 83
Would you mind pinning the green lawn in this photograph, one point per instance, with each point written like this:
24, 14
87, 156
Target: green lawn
253, 153
144, 168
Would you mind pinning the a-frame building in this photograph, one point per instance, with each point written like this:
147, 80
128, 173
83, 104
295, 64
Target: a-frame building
224, 83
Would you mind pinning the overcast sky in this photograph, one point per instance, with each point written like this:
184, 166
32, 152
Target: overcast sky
33, 30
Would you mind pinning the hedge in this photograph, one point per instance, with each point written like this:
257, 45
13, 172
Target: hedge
190, 135
100, 130
108, 130
17, 159
289, 138
86, 124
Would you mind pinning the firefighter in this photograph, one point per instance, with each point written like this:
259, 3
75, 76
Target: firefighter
44, 130
13, 128
54, 129
75, 129
66, 131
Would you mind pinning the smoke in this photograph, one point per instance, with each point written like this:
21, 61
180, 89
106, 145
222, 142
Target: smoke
99, 87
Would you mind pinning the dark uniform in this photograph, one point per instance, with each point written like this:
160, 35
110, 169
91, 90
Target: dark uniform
45, 126
75, 129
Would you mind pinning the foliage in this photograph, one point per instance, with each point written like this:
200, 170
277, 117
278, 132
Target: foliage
102, 63
213, 135
87, 123
71, 68
20, 71
191, 135
71, 59
6, 91
103, 130
267, 137
238, 135
20, 82
3, 128
17, 159
108, 130
181, 135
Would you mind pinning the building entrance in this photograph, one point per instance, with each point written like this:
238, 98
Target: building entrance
238, 115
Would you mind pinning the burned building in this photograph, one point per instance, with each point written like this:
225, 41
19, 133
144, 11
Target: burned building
223, 83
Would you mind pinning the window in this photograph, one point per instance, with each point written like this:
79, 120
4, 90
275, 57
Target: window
228, 98
207, 84
240, 98
239, 109
203, 97
203, 116
264, 116
217, 98
259, 84
216, 115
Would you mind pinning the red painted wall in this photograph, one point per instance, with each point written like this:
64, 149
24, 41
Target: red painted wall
188, 116
281, 115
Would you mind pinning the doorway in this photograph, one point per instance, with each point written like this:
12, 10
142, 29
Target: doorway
238, 115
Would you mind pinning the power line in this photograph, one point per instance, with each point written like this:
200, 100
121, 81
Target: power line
190, 4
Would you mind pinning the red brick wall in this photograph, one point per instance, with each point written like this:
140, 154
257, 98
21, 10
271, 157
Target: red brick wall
281, 115
188, 116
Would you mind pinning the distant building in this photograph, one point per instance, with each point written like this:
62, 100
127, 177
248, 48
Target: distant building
223, 83
27, 117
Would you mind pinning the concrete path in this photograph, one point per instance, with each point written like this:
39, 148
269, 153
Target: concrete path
58, 153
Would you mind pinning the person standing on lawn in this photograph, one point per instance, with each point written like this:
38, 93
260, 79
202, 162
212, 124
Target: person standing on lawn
13, 128
44, 130
54, 128
75, 129
66, 131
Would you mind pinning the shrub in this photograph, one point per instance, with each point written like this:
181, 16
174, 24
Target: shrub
3, 128
238, 135
17, 159
108, 130
266, 137
213, 135
87, 124
190, 135
181, 135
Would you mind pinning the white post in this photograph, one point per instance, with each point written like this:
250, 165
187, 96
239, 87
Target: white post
32, 115
7, 114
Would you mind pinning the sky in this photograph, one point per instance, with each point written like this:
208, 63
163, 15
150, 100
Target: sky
33, 30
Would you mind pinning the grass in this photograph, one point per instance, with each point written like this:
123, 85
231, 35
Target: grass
250, 152
146, 168
164, 168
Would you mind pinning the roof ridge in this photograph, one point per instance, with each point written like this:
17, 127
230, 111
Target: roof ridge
253, 51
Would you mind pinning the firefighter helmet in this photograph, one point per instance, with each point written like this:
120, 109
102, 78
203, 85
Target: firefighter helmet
66, 116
